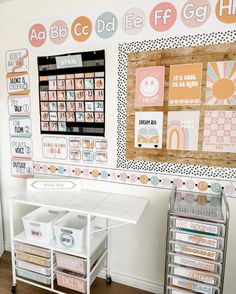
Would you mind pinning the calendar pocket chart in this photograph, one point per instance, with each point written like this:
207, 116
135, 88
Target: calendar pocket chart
72, 93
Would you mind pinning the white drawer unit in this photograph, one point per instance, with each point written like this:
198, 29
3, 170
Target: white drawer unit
64, 242
196, 245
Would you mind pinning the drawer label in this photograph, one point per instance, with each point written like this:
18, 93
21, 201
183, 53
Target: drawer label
194, 286
195, 239
195, 263
195, 275
195, 226
195, 251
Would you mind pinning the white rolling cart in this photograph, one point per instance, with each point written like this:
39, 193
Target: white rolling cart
90, 204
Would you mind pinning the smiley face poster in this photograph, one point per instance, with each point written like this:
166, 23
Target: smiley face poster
149, 89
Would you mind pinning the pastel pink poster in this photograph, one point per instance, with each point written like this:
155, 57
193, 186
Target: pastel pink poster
220, 131
149, 89
182, 130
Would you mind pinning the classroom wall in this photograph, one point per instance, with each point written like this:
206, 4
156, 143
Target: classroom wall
137, 251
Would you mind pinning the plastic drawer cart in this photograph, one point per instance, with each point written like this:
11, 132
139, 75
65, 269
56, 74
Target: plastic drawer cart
197, 233
58, 267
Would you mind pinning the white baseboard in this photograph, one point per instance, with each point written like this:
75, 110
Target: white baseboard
135, 282
7, 246
127, 280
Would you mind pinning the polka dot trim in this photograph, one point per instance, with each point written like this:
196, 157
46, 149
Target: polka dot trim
162, 44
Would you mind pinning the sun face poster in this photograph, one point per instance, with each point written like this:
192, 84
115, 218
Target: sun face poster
185, 84
149, 89
182, 130
219, 131
221, 75
148, 129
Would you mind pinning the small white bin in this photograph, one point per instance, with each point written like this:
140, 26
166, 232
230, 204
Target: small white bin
70, 231
39, 224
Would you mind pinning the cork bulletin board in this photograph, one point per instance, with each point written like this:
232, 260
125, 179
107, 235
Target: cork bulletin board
209, 102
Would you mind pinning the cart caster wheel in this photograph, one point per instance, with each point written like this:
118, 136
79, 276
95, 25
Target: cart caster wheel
109, 280
13, 289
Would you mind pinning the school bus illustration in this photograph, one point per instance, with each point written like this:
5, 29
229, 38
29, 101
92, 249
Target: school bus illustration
148, 136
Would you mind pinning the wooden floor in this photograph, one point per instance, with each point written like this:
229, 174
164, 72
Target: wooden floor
99, 286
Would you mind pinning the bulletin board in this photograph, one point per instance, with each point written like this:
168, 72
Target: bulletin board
197, 91
72, 93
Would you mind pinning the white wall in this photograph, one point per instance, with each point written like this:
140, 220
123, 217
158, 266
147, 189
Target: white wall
138, 251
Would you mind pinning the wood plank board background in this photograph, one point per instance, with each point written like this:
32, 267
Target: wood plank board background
201, 54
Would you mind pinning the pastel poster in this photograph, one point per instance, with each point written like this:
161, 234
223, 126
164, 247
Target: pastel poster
182, 130
185, 84
221, 83
149, 89
219, 131
148, 129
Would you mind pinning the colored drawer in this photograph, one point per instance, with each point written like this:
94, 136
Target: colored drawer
197, 251
71, 281
198, 239
210, 229
196, 275
197, 263
46, 271
192, 285
32, 250
33, 259
33, 276
76, 264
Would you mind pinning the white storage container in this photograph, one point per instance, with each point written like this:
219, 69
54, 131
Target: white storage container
76, 264
39, 224
46, 271
33, 276
70, 231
